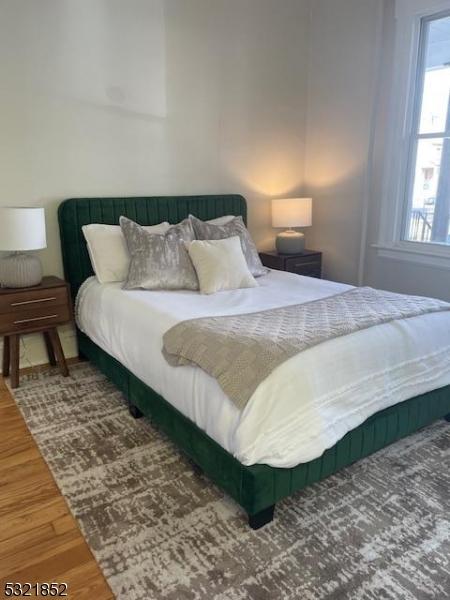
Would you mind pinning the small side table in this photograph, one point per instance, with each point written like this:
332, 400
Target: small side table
307, 263
34, 309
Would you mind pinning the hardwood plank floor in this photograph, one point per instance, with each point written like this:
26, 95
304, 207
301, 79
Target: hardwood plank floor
39, 539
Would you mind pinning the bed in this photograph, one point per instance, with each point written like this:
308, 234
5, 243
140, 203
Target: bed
249, 463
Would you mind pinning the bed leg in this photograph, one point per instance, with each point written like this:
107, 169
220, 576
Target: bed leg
134, 411
198, 471
261, 518
447, 417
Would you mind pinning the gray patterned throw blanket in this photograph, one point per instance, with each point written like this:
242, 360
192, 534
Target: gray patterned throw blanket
240, 351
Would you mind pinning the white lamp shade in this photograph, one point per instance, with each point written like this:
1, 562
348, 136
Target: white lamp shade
292, 212
22, 229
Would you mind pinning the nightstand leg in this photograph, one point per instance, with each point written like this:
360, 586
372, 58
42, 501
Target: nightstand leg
50, 352
14, 341
6, 356
57, 349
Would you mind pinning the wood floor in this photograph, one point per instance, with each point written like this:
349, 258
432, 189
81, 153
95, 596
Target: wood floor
39, 539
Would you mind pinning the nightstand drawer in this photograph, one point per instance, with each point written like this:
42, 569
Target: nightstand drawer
33, 299
308, 266
308, 272
308, 263
292, 264
35, 318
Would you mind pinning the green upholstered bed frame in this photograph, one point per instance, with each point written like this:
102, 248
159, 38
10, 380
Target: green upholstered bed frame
258, 487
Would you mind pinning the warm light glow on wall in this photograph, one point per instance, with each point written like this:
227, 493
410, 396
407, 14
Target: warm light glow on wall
273, 175
332, 175
330, 160
272, 168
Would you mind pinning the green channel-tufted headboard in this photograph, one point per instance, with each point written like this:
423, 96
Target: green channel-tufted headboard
76, 212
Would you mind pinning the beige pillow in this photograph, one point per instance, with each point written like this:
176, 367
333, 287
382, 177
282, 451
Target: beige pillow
220, 265
210, 231
108, 250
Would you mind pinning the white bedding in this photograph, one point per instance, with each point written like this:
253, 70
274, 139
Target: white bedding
308, 403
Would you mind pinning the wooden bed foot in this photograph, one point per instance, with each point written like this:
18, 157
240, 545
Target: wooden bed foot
262, 518
135, 412
198, 471
447, 417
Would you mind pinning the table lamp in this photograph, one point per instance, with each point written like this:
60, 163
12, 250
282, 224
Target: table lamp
291, 212
21, 229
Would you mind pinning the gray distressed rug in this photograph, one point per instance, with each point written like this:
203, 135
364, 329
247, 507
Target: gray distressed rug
379, 529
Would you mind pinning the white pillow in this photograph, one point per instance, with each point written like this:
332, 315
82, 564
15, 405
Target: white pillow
108, 250
220, 265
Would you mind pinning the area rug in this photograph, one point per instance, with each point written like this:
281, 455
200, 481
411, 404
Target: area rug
379, 529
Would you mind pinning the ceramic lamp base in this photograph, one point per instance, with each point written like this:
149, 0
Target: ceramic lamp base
20, 271
290, 242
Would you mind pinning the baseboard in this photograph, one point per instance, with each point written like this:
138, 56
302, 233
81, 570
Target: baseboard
74, 360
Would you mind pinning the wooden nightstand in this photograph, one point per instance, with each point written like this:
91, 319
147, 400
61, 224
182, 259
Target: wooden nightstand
308, 263
29, 310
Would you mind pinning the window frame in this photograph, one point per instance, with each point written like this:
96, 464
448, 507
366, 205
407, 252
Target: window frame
404, 117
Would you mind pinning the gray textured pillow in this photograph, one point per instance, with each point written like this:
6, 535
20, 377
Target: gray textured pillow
208, 231
159, 262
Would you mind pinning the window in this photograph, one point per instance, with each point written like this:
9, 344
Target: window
427, 213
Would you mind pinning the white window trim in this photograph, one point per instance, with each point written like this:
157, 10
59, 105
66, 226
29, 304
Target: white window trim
408, 14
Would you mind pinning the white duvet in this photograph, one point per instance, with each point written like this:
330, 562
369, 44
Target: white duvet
308, 403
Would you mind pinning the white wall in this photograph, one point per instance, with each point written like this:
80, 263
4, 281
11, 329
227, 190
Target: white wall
343, 67
350, 75
106, 97
394, 274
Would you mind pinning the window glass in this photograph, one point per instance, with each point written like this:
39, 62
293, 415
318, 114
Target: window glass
436, 85
428, 214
